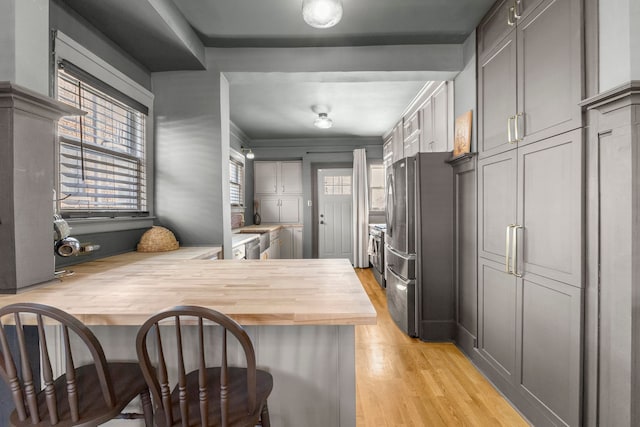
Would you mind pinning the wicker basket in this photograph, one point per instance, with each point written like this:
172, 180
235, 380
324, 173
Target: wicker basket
158, 239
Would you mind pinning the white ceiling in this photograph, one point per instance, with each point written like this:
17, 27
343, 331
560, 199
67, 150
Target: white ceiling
161, 35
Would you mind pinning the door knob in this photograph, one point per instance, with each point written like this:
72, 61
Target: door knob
321, 222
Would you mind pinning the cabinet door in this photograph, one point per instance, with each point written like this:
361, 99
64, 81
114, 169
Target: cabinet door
412, 145
495, 26
549, 70
290, 178
398, 143
497, 194
550, 208
265, 177
426, 142
290, 210
270, 210
387, 152
497, 97
498, 308
551, 342
440, 119
286, 243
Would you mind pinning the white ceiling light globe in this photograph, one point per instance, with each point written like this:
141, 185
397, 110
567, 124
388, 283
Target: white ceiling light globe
323, 122
322, 13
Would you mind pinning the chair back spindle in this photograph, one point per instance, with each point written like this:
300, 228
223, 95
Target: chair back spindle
48, 405
212, 392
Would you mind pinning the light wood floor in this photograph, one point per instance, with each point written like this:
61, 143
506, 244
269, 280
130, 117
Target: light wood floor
401, 381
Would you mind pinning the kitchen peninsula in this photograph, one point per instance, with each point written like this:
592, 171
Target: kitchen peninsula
300, 315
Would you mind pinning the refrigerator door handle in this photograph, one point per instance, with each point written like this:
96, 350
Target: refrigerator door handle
400, 278
389, 205
409, 257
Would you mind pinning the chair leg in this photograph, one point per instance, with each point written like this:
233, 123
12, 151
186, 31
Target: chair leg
147, 409
264, 416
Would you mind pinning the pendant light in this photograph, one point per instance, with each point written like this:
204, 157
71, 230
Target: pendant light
322, 13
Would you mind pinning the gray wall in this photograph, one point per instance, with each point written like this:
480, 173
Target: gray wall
63, 18
189, 153
465, 87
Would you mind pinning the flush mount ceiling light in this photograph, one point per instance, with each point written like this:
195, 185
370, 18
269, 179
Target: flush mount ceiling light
322, 13
323, 121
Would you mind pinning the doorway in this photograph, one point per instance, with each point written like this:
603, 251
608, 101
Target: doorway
335, 213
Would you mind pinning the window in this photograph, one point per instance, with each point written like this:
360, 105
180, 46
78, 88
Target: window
376, 187
101, 154
236, 182
337, 185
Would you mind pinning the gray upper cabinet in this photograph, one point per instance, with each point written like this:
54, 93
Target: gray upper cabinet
530, 78
497, 99
435, 121
550, 83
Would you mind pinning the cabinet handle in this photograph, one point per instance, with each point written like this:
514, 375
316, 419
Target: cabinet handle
514, 253
517, 9
507, 249
509, 135
517, 126
283, 188
510, 12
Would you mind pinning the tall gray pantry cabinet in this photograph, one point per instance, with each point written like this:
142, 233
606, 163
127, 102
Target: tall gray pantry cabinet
530, 206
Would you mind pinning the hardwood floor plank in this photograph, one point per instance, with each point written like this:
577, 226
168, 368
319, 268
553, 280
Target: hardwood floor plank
404, 382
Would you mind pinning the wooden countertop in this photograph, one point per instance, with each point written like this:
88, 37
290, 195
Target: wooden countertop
127, 289
264, 228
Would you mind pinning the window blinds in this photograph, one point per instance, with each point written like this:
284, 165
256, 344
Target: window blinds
102, 154
236, 182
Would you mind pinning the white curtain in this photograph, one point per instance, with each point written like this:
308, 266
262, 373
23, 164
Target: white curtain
360, 209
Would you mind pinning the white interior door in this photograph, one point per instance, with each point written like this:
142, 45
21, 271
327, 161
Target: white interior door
335, 213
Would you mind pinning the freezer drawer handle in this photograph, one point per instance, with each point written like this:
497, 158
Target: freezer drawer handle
397, 276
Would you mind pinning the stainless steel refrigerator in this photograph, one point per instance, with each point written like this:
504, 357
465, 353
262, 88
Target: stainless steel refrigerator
419, 246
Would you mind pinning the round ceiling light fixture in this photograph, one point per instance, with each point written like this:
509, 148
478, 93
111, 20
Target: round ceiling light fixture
322, 13
323, 121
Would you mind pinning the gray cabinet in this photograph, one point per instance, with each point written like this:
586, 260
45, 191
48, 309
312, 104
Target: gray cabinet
530, 280
529, 76
465, 211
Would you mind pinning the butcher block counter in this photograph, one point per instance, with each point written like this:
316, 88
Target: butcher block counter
299, 313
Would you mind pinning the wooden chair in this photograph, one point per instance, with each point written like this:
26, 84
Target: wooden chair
209, 395
83, 396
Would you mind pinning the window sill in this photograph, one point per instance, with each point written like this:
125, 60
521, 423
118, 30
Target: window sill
80, 226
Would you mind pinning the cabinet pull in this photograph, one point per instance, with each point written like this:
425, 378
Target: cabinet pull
517, 9
283, 188
510, 12
517, 126
514, 253
509, 135
507, 249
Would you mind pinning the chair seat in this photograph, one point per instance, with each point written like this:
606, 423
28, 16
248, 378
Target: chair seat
128, 382
237, 387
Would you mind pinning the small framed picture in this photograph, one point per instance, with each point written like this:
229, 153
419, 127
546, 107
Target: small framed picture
462, 134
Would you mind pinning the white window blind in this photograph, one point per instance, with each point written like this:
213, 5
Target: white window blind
236, 182
102, 154
376, 187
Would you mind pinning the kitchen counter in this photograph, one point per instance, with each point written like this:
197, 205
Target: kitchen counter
264, 228
300, 315
126, 289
